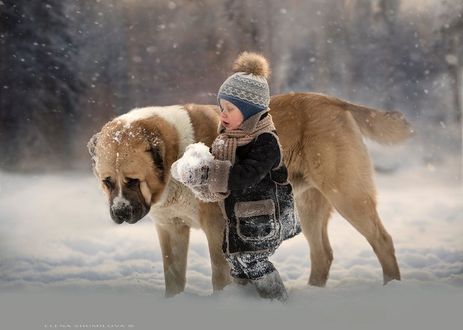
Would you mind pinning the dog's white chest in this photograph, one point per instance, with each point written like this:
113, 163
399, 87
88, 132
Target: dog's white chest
178, 204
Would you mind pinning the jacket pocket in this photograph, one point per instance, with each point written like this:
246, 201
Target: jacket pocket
256, 220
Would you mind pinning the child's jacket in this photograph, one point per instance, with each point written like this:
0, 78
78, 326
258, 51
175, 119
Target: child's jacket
259, 208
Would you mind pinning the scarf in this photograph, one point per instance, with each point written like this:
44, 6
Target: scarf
224, 146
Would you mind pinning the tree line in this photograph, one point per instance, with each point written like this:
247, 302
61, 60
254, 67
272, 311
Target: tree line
68, 66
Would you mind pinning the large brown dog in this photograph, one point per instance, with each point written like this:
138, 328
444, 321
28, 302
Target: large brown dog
323, 148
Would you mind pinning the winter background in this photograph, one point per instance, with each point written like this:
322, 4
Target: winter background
69, 66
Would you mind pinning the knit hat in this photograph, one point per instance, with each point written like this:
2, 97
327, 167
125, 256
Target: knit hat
247, 88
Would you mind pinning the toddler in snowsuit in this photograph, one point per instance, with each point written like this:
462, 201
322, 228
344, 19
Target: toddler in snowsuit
248, 178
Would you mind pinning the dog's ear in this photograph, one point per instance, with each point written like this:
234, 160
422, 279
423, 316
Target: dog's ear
157, 154
91, 145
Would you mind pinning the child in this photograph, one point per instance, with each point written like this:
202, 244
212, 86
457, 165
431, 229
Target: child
248, 177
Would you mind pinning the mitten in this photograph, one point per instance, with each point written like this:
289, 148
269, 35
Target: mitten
191, 169
196, 176
217, 179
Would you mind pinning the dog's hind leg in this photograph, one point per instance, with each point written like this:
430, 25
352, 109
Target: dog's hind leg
360, 210
174, 238
314, 211
213, 224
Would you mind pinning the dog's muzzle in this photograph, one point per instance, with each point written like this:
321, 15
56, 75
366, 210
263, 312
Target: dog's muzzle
128, 212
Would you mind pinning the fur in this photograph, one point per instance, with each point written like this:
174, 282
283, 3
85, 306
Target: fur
252, 63
176, 115
323, 149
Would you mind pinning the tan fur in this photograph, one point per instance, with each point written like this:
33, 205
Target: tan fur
383, 127
252, 63
205, 119
328, 166
122, 153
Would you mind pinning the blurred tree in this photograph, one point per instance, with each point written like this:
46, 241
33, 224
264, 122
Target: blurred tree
175, 51
66, 67
254, 27
450, 45
99, 34
247, 28
370, 31
39, 87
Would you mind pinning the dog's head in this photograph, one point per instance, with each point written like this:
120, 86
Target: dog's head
132, 162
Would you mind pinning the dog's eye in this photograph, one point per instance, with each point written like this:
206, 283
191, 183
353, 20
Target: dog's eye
132, 183
108, 183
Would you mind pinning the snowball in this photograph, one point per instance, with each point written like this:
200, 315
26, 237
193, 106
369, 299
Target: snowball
196, 155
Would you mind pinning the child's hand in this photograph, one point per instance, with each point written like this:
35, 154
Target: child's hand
193, 168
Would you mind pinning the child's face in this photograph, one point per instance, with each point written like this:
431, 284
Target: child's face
230, 117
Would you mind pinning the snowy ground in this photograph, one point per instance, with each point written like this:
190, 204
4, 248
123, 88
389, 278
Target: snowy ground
59, 247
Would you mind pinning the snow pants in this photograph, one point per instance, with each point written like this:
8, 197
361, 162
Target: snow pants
251, 265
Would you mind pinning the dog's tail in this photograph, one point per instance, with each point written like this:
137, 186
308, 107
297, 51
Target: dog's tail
383, 127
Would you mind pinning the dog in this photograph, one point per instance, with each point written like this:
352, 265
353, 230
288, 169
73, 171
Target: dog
327, 160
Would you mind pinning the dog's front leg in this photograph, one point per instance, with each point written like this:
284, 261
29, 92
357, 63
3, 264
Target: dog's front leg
213, 224
174, 238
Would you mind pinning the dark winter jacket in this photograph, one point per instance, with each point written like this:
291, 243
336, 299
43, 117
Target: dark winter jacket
260, 208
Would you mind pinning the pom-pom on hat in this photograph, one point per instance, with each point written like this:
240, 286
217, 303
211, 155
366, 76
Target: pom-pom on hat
247, 88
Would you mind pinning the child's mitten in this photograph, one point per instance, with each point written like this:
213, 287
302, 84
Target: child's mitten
192, 168
218, 174
196, 176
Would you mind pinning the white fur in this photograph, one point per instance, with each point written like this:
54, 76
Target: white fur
176, 115
178, 203
120, 201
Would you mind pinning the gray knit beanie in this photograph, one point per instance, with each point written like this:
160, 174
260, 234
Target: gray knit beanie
247, 88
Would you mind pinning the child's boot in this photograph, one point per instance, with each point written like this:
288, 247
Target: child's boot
271, 286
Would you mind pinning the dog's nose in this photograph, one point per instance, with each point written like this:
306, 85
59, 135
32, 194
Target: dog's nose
121, 214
